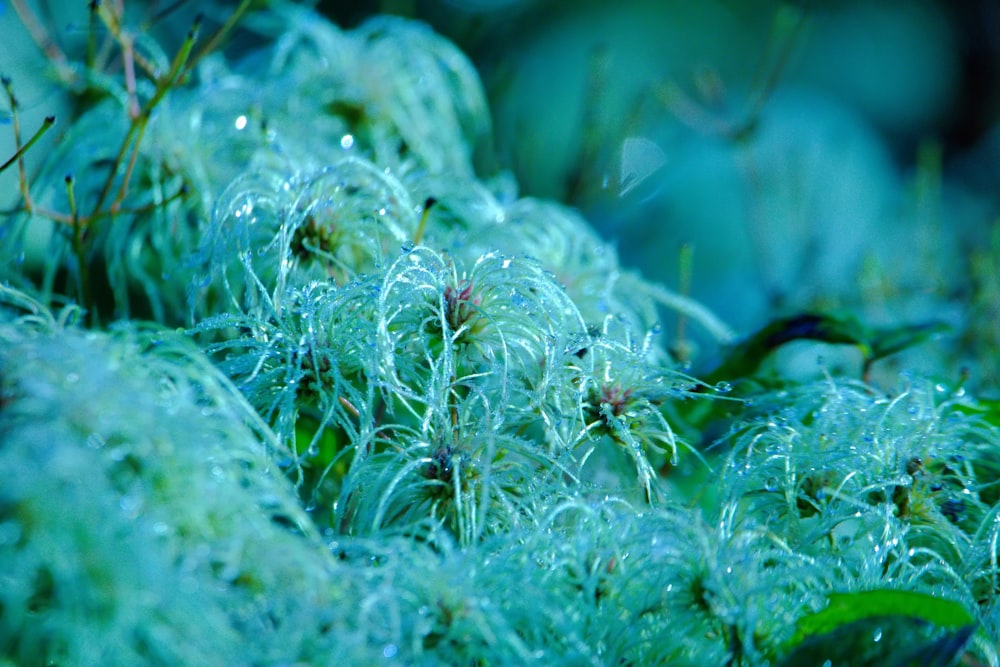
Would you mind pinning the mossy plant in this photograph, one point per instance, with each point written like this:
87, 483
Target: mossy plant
293, 382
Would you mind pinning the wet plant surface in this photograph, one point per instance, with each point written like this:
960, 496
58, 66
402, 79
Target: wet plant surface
288, 377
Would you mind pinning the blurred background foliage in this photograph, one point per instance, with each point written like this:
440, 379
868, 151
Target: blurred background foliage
813, 155
767, 157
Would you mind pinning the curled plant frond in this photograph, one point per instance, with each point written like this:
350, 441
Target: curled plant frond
393, 90
660, 586
586, 265
888, 485
148, 523
305, 370
458, 471
306, 358
269, 232
499, 324
355, 217
427, 90
617, 394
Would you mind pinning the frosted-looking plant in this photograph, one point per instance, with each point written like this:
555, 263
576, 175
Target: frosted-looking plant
498, 325
132, 232
143, 518
471, 478
446, 429
619, 394
304, 366
656, 586
900, 490
422, 356
391, 89
271, 232
586, 265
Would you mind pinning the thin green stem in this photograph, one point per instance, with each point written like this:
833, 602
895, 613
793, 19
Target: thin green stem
419, 234
20, 150
91, 56
138, 126
685, 263
19, 154
719, 330
109, 183
43, 39
80, 252
127, 177
220, 34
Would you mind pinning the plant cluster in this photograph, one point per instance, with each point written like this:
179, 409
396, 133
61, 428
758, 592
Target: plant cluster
292, 383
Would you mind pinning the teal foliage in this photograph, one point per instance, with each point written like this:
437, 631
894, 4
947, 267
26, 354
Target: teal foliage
144, 519
335, 397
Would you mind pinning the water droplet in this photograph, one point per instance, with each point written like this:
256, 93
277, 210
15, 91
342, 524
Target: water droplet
771, 484
723, 387
347, 141
519, 301
877, 637
131, 504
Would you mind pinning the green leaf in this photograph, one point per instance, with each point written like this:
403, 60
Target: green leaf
846, 608
884, 342
745, 358
883, 641
883, 627
987, 409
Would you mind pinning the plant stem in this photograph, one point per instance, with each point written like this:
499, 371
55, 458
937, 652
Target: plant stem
419, 234
220, 34
721, 331
43, 40
19, 154
80, 252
